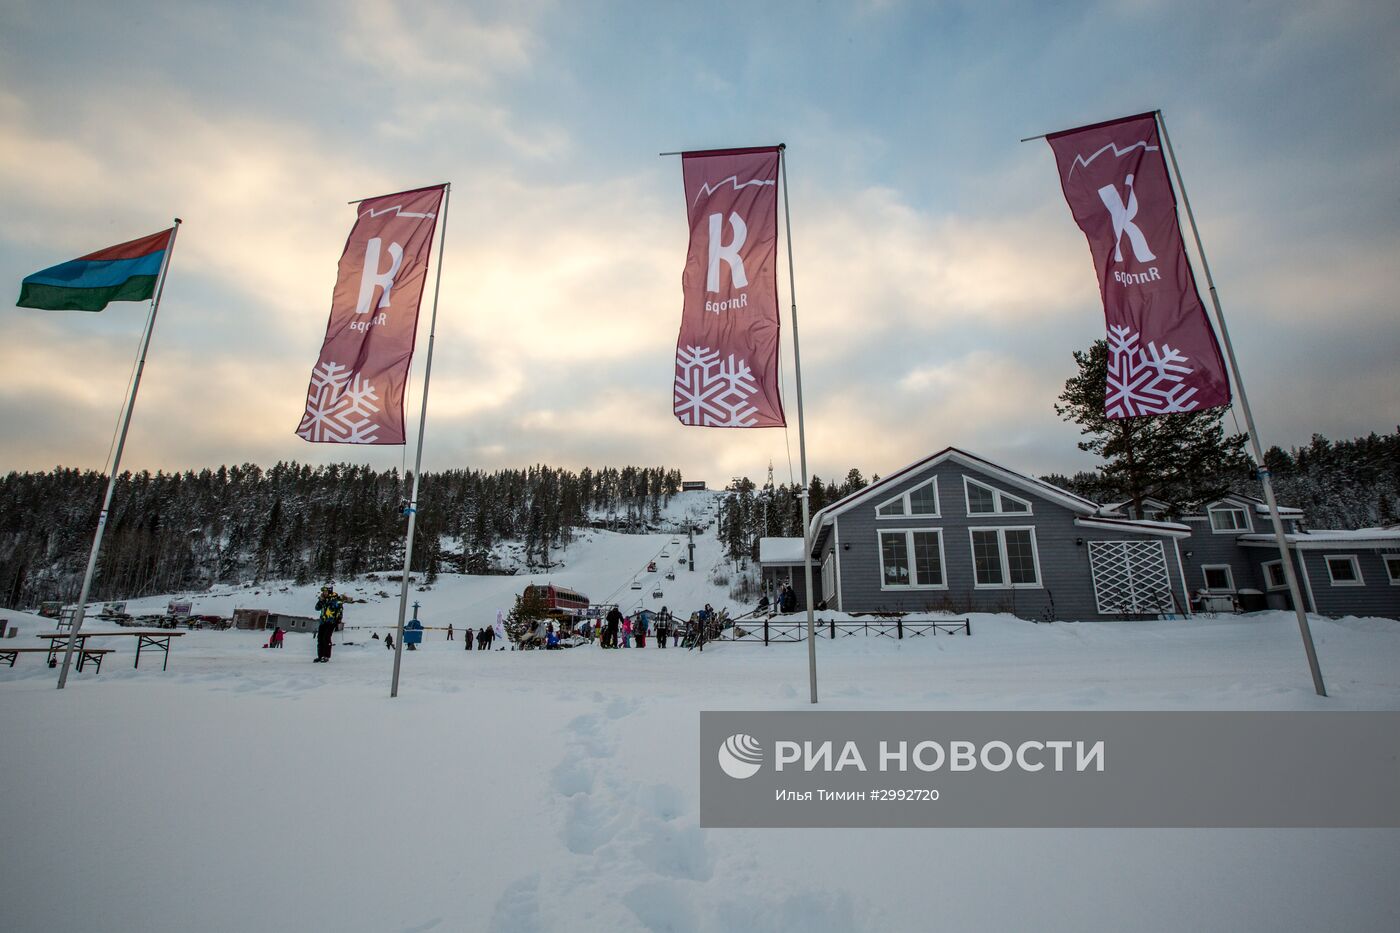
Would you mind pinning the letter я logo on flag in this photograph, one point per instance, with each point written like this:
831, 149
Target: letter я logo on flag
727, 350
357, 386
1163, 356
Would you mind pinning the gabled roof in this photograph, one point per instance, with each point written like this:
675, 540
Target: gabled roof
1259, 505
1019, 480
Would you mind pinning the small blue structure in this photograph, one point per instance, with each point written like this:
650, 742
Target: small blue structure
413, 631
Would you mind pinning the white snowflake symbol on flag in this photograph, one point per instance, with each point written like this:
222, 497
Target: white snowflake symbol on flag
339, 409
1145, 381
711, 392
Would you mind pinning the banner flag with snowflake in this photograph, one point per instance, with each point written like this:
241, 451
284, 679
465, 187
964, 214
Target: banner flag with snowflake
1162, 353
727, 351
357, 386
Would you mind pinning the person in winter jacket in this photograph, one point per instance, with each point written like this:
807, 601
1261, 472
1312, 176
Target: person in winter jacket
641, 628
627, 632
276, 640
329, 606
467, 636
449, 633
614, 623
389, 642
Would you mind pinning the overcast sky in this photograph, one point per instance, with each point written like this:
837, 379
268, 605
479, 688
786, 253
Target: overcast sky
941, 282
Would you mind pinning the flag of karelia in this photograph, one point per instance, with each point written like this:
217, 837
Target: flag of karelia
125, 272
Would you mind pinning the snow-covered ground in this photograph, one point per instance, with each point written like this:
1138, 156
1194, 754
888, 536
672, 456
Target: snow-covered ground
249, 789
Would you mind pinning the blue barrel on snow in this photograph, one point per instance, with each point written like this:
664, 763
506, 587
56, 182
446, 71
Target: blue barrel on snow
413, 632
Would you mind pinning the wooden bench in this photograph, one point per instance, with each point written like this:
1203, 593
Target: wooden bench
85, 654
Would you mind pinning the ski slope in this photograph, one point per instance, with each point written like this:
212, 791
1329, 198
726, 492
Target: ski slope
600, 564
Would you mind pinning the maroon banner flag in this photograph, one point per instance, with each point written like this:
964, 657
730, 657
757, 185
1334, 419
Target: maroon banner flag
357, 387
727, 351
1162, 353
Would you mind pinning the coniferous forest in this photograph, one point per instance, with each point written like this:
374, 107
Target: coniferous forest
179, 531
170, 532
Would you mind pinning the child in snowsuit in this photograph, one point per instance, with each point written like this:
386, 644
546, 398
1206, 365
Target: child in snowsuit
467, 636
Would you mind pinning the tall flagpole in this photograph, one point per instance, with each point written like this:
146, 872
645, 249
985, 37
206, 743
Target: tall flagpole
116, 463
1264, 478
801, 439
418, 459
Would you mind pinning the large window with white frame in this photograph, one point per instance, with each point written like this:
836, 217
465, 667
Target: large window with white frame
1274, 576
919, 502
1392, 568
829, 577
1004, 558
912, 559
1344, 570
1219, 578
987, 500
1228, 518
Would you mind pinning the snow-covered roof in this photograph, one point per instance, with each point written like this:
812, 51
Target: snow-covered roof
1332, 538
1169, 529
780, 550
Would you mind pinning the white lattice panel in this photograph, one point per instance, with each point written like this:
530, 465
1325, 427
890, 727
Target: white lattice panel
1130, 577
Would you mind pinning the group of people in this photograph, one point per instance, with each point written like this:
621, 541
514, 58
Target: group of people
482, 637
616, 630
785, 602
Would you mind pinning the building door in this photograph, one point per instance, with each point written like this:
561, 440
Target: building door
1130, 577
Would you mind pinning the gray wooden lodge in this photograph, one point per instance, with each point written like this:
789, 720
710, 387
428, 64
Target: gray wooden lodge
959, 533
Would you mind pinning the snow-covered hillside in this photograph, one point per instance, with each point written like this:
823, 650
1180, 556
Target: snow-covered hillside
602, 565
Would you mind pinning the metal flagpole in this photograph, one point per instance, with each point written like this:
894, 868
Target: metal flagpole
418, 459
116, 463
1264, 478
801, 438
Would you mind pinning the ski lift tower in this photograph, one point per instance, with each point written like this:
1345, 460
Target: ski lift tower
690, 535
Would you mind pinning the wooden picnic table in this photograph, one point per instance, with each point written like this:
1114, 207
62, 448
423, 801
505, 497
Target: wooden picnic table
156, 639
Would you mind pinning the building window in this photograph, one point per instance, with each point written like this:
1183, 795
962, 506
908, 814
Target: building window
1219, 578
924, 500
921, 501
1273, 575
1228, 519
1392, 568
829, 577
1005, 557
912, 559
1345, 570
984, 500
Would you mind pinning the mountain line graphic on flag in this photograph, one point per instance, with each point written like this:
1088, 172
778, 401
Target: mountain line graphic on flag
125, 272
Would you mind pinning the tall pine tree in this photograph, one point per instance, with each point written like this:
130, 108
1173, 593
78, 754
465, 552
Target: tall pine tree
1182, 459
